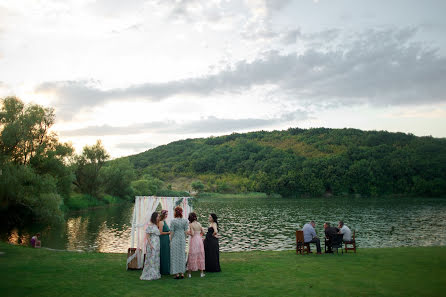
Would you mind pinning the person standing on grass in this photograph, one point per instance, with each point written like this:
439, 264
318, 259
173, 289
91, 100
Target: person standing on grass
151, 269
345, 231
178, 229
164, 243
211, 246
310, 235
195, 259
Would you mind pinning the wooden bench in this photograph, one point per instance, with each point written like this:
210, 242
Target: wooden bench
351, 242
301, 246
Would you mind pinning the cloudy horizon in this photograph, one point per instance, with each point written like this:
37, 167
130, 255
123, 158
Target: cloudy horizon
138, 74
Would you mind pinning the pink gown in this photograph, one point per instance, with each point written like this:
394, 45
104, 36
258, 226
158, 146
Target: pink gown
195, 260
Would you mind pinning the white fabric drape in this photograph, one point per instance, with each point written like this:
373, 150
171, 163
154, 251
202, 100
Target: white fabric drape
144, 207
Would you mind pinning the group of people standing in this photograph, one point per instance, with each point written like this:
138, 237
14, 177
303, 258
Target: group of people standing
311, 237
166, 246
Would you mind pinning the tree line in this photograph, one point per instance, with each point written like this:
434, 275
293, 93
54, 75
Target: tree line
39, 174
306, 162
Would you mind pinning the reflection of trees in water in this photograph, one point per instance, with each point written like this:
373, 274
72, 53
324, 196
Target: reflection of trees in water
16, 237
260, 224
112, 240
77, 233
103, 229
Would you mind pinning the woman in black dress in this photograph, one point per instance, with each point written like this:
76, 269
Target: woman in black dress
211, 246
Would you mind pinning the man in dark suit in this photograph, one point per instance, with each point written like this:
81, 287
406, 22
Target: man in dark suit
330, 232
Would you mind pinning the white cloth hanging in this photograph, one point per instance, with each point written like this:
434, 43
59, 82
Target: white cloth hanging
144, 207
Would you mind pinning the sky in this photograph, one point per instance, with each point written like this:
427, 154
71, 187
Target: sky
142, 73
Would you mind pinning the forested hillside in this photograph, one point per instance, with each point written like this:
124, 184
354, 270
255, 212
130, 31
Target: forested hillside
305, 162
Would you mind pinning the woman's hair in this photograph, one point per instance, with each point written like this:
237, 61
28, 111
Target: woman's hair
214, 217
163, 214
178, 212
153, 217
192, 217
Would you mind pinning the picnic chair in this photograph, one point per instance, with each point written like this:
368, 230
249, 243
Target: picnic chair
301, 246
336, 243
352, 243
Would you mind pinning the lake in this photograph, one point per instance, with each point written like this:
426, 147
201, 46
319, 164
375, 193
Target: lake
259, 224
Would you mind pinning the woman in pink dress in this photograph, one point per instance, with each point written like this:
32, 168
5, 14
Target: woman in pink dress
195, 260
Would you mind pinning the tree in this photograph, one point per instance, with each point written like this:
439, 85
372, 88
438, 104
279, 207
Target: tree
35, 171
148, 185
87, 168
116, 178
197, 186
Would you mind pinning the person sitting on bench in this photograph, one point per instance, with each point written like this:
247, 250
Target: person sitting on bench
329, 235
310, 235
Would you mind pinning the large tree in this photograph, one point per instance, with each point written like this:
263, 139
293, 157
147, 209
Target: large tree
88, 166
35, 171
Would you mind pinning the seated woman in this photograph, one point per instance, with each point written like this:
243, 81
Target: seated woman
35, 242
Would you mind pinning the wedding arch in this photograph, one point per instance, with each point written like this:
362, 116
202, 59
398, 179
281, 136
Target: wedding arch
144, 207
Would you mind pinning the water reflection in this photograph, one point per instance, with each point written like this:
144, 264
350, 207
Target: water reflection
259, 224
17, 238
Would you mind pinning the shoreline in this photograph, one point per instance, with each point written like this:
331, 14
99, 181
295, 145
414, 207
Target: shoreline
3, 243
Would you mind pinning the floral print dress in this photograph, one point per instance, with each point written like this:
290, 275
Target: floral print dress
178, 227
151, 269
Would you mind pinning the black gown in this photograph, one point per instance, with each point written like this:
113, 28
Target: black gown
211, 252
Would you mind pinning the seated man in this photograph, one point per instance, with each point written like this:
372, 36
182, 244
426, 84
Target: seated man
329, 234
344, 230
35, 242
310, 235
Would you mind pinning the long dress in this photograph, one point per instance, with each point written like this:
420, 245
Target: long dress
195, 259
151, 269
178, 228
212, 252
165, 250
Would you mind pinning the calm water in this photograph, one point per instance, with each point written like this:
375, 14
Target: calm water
260, 224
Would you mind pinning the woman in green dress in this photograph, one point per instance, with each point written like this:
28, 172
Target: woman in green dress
164, 243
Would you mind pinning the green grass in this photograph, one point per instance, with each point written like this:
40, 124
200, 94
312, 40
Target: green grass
236, 195
79, 201
370, 272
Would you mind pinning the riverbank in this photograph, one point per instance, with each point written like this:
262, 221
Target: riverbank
78, 201
237, 195
370, 272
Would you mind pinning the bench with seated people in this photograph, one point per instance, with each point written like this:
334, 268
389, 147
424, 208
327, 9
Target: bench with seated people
334, 238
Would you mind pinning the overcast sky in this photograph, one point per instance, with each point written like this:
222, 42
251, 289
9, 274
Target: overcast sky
138, 74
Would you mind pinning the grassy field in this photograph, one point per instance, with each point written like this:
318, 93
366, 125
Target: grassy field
370, 272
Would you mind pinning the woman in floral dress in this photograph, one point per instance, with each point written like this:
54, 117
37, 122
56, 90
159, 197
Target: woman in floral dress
178, 229
151, 269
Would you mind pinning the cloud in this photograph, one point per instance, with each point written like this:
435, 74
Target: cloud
135, 146
114, 8
376, 67
207, 125
5, 90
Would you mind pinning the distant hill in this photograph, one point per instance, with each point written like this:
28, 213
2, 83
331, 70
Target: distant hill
305, 162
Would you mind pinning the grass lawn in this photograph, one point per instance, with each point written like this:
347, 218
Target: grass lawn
370, 272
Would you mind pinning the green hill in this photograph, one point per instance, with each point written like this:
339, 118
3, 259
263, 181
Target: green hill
309, 162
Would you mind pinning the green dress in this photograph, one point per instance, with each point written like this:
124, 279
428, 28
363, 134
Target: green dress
165, 251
